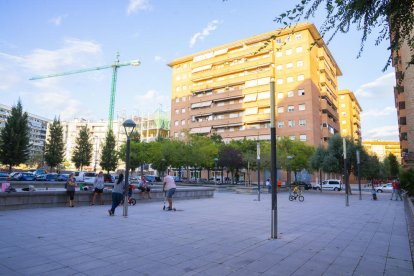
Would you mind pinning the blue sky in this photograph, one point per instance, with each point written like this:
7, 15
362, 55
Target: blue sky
49, 36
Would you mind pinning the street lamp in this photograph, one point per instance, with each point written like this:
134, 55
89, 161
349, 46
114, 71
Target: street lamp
289, 174
273, 175
359, 175
96, 152
258, 170
129, 126
345, 174
215, 170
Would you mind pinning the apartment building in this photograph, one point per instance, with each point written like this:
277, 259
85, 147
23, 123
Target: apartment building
153, 125
37, 130
404, 102
349, 112
225, 90
382, 148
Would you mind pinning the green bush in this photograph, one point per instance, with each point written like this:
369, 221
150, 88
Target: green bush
407, 181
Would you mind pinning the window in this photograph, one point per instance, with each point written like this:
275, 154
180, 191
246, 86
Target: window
344, 130
183, 110
177, 89
183, 99
291, 94
292, 137
278, 54
301, 107
263, 95
343, 113
175, 134
177, 111
342, 97
302, 137
403, 121
301, 77
280, 95
288, 52
298, 36
177, 77
279, 81
220, 104
299, 63
280, 124
299, 49
291, 123
287, 39
291, 108
302, 122
278, 40
343, 105
280, 109
251, 111
176, 123
233, 115
289, 79
182, 122
301, 92
279, 67
289, 65
344, 122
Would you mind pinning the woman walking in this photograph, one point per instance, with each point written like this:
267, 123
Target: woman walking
99, 185
117, 194
70, 189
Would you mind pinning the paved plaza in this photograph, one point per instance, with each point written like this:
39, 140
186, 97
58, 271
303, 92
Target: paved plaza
225, 235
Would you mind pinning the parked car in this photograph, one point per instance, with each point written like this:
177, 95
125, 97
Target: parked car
89, 177
330, 184
384, 188
47, 177
39, 172
62, 177
108, 178
152, 178
302, 184
4, 175
23, 176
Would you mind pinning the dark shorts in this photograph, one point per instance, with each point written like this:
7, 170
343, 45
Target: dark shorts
143, 189
170, 192
98, 191
71, 194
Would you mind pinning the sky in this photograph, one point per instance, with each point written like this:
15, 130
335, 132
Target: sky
48, 36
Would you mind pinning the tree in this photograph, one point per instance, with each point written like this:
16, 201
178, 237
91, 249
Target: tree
14, 138
82, 154
316, 161
231, 158
394, 166
54, 147
109, 156
394, 18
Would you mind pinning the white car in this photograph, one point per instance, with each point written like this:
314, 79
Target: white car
384, 188
87, 177
329, 184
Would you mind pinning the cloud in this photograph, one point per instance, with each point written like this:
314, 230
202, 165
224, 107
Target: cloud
383, 84
150, 101
136, 5
388, 110
389, 132
211, 26
159, 58
8, 79
57, 20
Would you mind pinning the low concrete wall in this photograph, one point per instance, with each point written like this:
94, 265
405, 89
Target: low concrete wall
39, 199
409, 215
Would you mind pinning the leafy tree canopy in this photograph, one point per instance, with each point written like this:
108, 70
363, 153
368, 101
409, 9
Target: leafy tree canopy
82, 153
54, 147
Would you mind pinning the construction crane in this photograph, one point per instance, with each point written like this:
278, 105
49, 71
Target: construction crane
114, 67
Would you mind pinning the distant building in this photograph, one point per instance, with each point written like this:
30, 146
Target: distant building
382, 148
404, 102
37, 129
225, 90
349, 115
153, 125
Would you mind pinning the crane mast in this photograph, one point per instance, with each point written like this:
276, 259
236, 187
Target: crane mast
114, 67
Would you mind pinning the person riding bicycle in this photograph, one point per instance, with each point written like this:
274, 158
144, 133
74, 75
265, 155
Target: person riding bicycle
296, 190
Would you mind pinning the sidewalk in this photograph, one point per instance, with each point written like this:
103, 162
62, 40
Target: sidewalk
224, 235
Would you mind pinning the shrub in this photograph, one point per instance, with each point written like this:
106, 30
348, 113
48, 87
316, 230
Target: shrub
407, 181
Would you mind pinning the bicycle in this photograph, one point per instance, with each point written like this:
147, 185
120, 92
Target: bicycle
297, 194
131, 201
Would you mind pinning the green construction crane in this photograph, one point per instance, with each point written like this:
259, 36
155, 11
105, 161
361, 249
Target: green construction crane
114, 67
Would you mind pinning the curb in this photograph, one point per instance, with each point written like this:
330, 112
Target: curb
409, 216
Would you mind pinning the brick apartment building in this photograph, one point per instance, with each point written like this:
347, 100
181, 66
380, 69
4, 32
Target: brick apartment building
349, 112
225, 90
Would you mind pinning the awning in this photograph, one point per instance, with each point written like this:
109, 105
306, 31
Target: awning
202, 104
228, 125
250, 98
200, 130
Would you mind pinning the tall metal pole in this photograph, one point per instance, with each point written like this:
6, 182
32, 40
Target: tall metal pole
258, 171
359, 174
273, 175
345, 174
128, 149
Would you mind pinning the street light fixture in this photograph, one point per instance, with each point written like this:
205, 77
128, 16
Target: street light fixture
96, 152
129, 126
215, 170
359, 174
258, 170
289, 175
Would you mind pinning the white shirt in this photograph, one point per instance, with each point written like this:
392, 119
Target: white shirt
169, 182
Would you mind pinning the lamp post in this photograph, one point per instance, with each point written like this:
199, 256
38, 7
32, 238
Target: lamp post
129, 126
258, 171
215, 170
345, 174
359, 175
273, 174
96, 152
289, 175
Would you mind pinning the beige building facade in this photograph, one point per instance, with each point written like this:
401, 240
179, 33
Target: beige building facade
226, 89
349, 112
382, 148
404, 102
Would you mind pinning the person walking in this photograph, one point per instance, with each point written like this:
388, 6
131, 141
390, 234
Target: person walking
70, 189
396, 189
117, 194
98, 185
169, 187
269, 187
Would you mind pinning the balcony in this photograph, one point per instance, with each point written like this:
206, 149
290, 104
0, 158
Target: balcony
259, 118
215, 97
328, 109
217, 123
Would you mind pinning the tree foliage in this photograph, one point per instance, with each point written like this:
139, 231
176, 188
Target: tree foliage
14, 138
54, 146
109, 155
390, 19
82, 153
